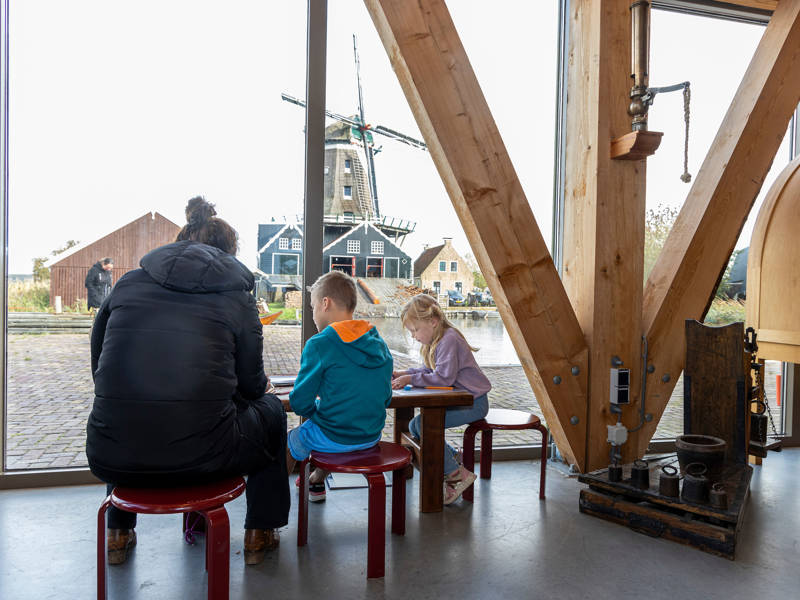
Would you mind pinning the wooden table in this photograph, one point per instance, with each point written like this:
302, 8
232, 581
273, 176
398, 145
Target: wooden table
430, 449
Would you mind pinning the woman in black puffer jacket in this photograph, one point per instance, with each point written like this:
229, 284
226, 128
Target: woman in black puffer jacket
180, 384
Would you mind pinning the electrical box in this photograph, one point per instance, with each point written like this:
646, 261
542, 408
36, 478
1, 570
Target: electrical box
620, 386
617, 434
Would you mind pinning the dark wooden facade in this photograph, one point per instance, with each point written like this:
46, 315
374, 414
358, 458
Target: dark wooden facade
126, 246
370, 254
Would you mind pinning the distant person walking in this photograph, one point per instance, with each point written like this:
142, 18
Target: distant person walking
98, 282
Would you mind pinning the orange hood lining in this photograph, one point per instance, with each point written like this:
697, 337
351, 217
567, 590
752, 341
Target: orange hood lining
349, 331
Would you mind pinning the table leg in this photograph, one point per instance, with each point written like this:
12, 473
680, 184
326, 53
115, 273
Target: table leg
432, 460
401, 418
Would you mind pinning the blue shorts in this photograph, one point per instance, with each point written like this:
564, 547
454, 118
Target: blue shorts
302, 440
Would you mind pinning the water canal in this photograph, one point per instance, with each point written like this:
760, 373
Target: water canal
489, 335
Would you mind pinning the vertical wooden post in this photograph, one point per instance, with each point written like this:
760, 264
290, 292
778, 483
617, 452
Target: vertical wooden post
604, 213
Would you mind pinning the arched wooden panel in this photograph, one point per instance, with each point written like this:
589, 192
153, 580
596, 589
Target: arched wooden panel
773, 270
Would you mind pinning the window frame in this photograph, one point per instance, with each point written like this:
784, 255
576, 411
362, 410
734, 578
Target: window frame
283, 243
442, 266
356, 244
297, 257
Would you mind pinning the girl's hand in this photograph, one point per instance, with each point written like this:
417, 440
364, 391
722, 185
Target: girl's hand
396, 374
401, 381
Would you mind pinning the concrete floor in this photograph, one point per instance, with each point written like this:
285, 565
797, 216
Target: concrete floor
507, 545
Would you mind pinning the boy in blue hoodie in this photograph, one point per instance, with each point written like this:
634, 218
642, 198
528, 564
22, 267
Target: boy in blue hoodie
345, 381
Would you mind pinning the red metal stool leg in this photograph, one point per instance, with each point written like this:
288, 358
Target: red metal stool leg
302, 504
486, 453
399, 501
218, 547
376, 528
543, 430
102, 587
468, 457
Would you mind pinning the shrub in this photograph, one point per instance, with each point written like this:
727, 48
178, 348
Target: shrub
29, 296
724, 311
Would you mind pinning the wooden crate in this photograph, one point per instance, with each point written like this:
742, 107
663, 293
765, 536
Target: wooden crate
646, 511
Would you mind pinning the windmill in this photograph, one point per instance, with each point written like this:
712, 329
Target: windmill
363, 131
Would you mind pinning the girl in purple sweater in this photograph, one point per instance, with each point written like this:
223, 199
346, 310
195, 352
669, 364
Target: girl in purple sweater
448, 361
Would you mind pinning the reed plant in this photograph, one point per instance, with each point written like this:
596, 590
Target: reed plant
724, 311
29, 296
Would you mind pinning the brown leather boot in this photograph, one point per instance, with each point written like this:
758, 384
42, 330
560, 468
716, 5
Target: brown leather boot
118, 542
257, 542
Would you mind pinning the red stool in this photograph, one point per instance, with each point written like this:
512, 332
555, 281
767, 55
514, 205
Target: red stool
372, 463
499, 418
208, 500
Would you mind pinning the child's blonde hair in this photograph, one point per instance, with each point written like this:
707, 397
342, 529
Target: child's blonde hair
423, 307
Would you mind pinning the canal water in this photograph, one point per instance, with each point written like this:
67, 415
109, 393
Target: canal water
488, 335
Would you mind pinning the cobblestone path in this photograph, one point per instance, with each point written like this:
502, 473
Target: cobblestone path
50, 394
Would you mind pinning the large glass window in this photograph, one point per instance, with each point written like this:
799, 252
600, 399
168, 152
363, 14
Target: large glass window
109, 139
706, 44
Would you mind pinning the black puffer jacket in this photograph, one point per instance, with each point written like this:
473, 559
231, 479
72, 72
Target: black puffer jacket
98, 285
172, 345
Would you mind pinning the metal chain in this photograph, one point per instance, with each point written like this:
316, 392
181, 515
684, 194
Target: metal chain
760, 385
686, 177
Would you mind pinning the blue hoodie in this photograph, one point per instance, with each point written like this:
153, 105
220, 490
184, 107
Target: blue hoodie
345, 382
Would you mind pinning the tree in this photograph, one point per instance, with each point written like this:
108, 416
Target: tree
658, 223
478, 280
67, 245
42, 273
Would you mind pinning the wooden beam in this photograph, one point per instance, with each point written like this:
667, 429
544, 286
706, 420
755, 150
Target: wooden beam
451, 111
604, 212
685, 275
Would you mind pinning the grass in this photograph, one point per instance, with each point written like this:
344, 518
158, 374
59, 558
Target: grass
34, 296
29, 296
724, 311
289, 314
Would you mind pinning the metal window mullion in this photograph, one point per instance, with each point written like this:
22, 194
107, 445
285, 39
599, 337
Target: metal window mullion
4, 64
314, 201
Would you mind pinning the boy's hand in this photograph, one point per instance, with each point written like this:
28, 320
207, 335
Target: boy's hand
401, 381
396, 374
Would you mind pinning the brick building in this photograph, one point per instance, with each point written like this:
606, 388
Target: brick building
441, 268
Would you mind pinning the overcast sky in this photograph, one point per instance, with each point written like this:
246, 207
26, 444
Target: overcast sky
119, 108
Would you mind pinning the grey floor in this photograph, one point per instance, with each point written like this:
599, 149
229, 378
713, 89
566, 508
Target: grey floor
507, 545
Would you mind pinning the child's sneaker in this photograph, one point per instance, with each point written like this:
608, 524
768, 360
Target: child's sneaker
316, 492
456, 483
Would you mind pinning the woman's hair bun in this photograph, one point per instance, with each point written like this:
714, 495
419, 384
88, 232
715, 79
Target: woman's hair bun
198, 211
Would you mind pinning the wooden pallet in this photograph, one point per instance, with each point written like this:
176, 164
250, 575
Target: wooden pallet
646, 511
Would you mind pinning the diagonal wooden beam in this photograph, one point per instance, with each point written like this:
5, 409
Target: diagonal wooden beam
451, 111
683, 280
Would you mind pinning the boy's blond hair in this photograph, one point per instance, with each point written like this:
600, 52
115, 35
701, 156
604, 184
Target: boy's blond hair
339, 287
423, 307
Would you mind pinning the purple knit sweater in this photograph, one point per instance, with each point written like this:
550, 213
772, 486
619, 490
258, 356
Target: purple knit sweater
455, 366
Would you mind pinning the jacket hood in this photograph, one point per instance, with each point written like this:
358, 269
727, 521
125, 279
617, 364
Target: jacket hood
193, 267
359, 342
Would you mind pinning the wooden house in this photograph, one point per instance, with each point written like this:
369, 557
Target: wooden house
126, 246
362, 250
441, 268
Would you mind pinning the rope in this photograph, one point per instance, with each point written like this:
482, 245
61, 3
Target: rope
686, 177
